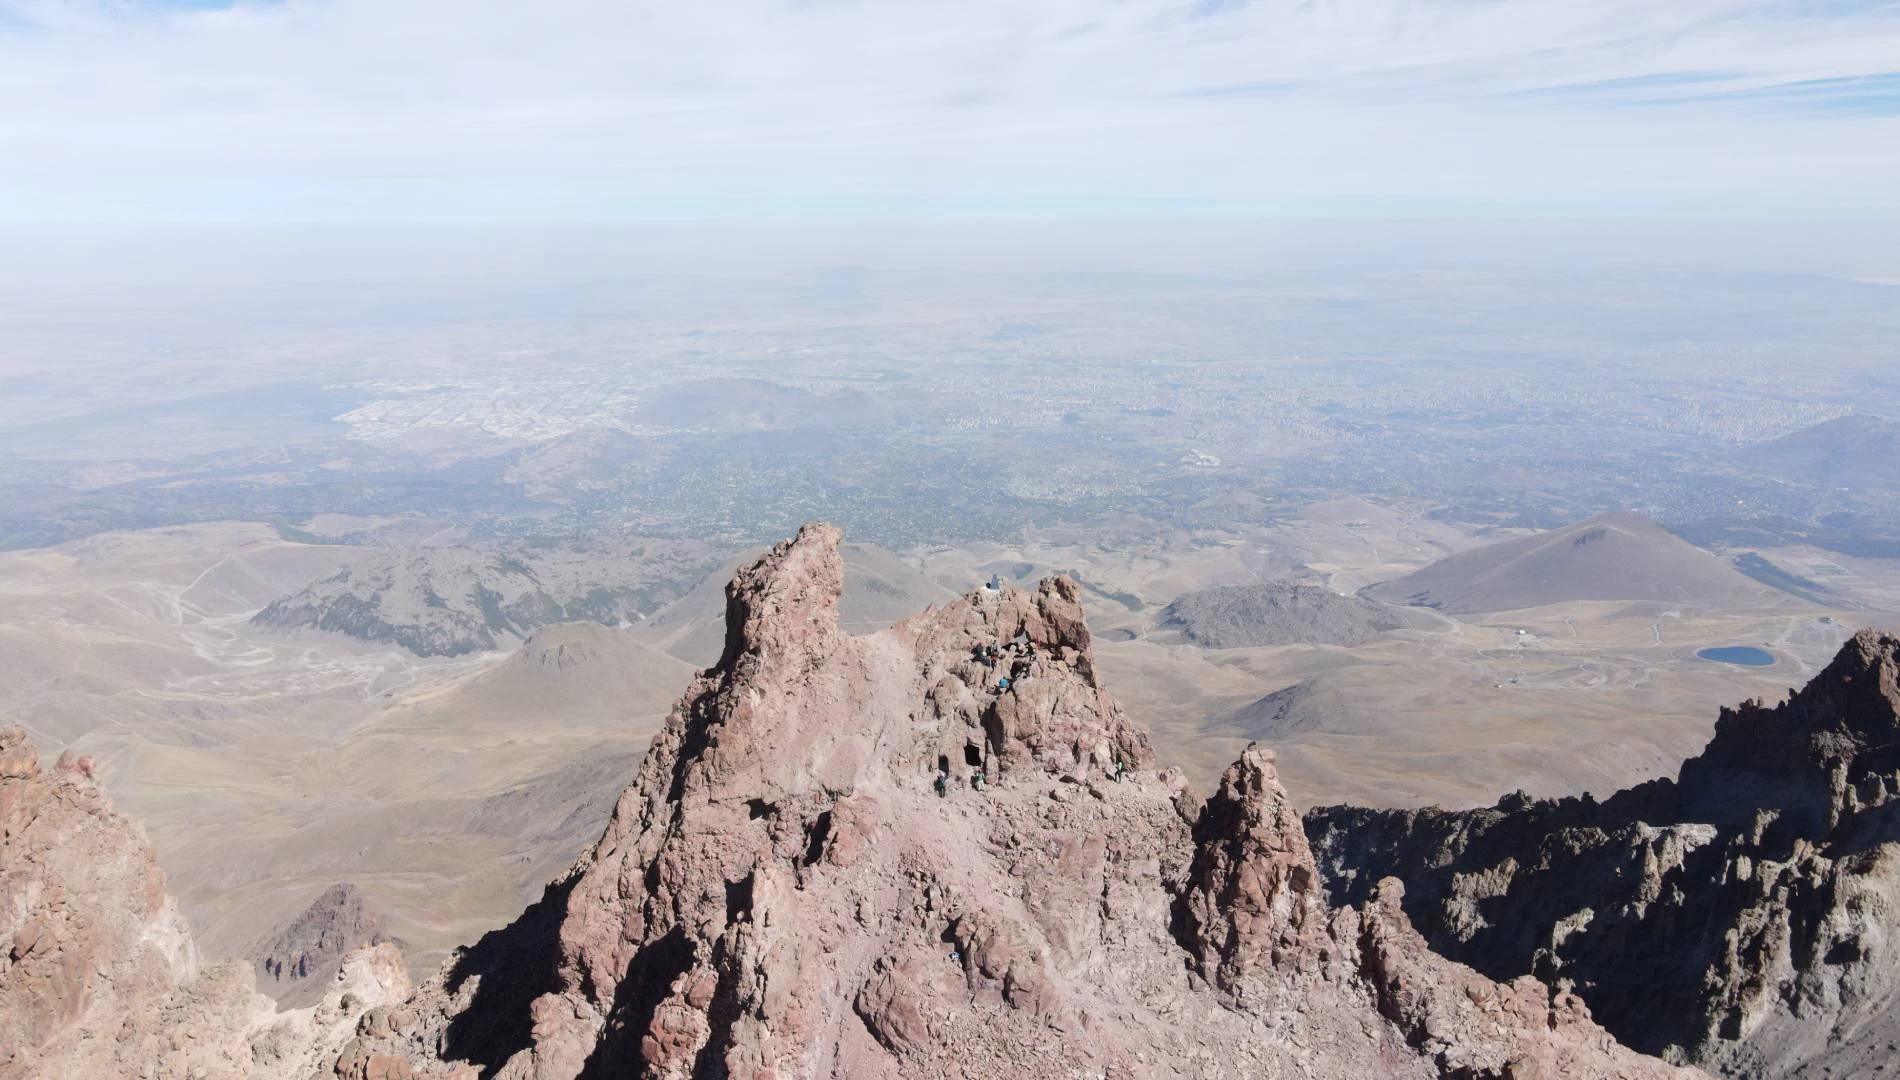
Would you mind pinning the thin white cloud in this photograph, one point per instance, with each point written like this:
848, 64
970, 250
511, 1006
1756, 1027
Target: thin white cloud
576, 107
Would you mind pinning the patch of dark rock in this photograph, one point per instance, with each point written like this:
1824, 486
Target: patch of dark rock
816, 837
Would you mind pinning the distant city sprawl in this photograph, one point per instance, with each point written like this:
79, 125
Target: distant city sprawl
971, 408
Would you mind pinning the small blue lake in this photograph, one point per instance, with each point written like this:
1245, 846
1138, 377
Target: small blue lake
1745, 655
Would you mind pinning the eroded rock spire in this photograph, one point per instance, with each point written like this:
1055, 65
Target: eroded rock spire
944, 850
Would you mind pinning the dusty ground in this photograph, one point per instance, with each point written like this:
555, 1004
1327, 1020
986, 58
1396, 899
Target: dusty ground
266, 769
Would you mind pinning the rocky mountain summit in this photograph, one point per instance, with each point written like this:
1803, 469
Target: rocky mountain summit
891, 855
1743, 916
941, 849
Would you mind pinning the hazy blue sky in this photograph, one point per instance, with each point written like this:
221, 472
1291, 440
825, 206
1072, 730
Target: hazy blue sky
484, 110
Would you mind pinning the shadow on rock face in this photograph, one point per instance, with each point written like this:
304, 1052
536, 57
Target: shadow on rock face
515, 965
649, 980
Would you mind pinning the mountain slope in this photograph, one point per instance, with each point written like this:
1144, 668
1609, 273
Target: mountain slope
1745, 915
1270, 613
448, 601
431, 601
573, 674
1321, 700
844, 855
1610, 557
1853, 451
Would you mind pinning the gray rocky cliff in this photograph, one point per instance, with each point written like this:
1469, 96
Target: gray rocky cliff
1744, 916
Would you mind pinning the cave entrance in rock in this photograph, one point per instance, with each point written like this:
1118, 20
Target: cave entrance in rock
972, 755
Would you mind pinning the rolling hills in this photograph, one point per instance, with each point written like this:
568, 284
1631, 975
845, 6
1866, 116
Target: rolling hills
1853, 451
450, 601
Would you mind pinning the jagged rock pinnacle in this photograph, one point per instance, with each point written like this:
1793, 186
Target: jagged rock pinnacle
784, 608
1254, 901
934, 851
1739, 916
1807, 756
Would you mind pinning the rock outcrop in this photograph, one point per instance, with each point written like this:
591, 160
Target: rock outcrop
1744, 916
98, 974
893, 855
301, 960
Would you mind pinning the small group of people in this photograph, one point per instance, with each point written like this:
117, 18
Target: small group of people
1021, 653
979, 780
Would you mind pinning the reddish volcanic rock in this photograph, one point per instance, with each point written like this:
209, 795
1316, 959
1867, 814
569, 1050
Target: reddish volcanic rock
872, 857
95, 962
98, 975
1254, 903
937, 850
